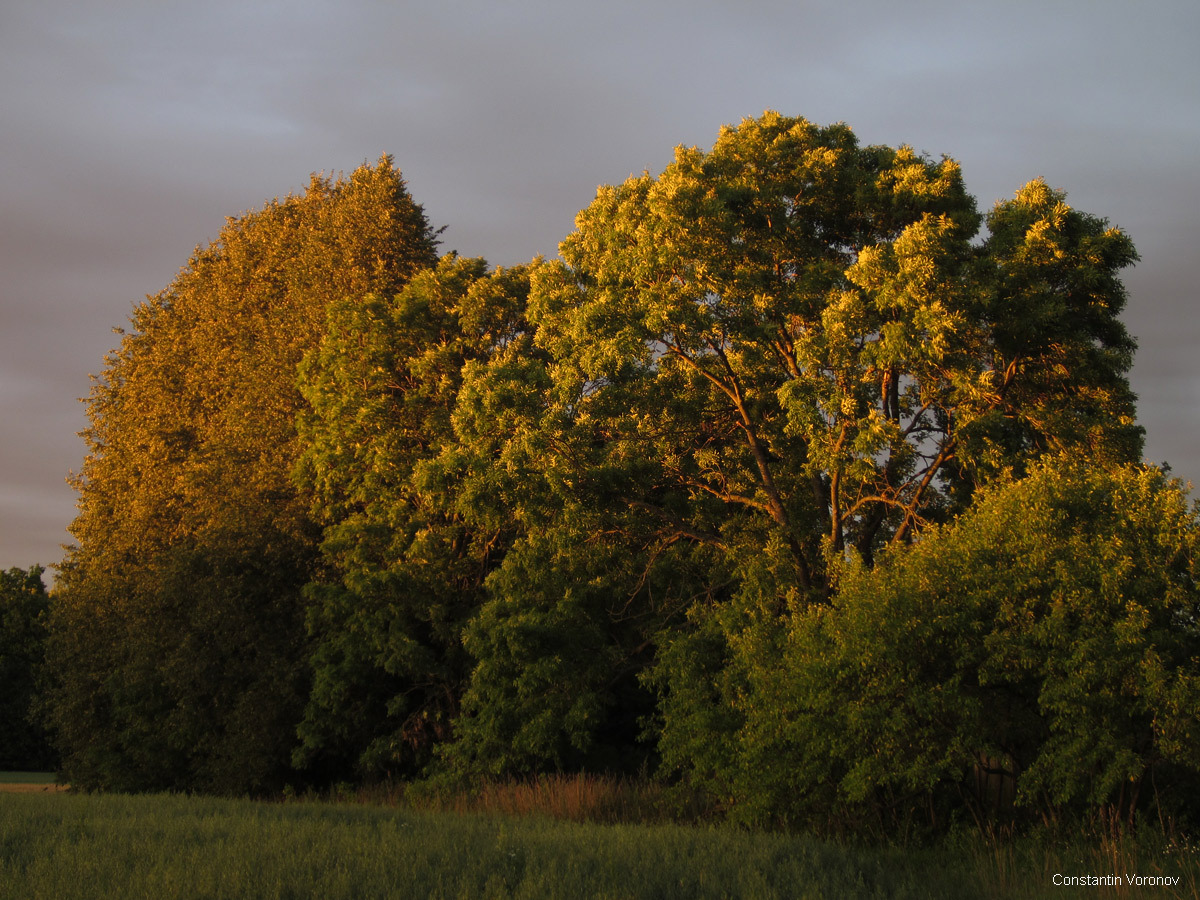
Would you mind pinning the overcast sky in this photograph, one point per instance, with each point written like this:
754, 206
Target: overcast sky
129, 130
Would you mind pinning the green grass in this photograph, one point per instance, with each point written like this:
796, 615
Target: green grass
27, 778
61, 847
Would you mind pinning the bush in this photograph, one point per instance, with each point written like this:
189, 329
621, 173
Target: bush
1043, 651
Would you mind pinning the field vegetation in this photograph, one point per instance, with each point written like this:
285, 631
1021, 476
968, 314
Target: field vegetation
27, 778
158, 847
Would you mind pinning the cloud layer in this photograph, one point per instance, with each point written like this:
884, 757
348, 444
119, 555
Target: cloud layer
131, 129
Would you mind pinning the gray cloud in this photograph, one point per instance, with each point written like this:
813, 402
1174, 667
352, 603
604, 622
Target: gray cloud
131, 128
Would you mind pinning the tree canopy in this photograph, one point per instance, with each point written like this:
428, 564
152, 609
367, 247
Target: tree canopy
815, 334
777, 353
711, 494
178, 639
405, 568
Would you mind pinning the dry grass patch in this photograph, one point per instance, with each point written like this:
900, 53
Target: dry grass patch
29, 788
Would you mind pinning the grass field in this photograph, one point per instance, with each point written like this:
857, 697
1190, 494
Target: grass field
29, 783
66, 846
27, 778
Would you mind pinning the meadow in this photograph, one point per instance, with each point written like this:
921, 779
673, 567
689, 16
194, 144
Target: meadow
76, 846
11, 778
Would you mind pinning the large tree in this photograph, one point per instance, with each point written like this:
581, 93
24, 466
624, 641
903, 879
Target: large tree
782, 351
177, 641
814, 333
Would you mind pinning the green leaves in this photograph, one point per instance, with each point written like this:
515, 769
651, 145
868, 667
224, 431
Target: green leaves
823, 306
1050, 632
406, 558
1060, 351
23, 609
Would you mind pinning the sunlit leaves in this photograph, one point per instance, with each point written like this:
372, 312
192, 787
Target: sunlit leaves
178, 633
800, 293
1051, 632
406, 548
522, 498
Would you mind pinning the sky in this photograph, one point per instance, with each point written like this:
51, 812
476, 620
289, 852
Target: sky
129, 130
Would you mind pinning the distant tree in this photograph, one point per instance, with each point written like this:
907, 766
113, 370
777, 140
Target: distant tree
177, 645
23, 609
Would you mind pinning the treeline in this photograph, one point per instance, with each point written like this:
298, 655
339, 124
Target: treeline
795, 481
24, 606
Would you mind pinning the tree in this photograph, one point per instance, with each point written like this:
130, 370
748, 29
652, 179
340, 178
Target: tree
792, 348
576, 582
405, 567
809, 332
1047, 639
23, 609
177, 643
464, 608
501, 514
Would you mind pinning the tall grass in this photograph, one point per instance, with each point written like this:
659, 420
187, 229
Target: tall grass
1006, 866
597, 799
164, 847
70, 847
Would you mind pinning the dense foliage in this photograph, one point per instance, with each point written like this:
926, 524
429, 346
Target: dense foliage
178, 641
23, 609
354, 512
1041, 651
406, 568
781, 351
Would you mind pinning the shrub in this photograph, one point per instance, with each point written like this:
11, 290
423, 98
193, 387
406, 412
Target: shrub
1043, 649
